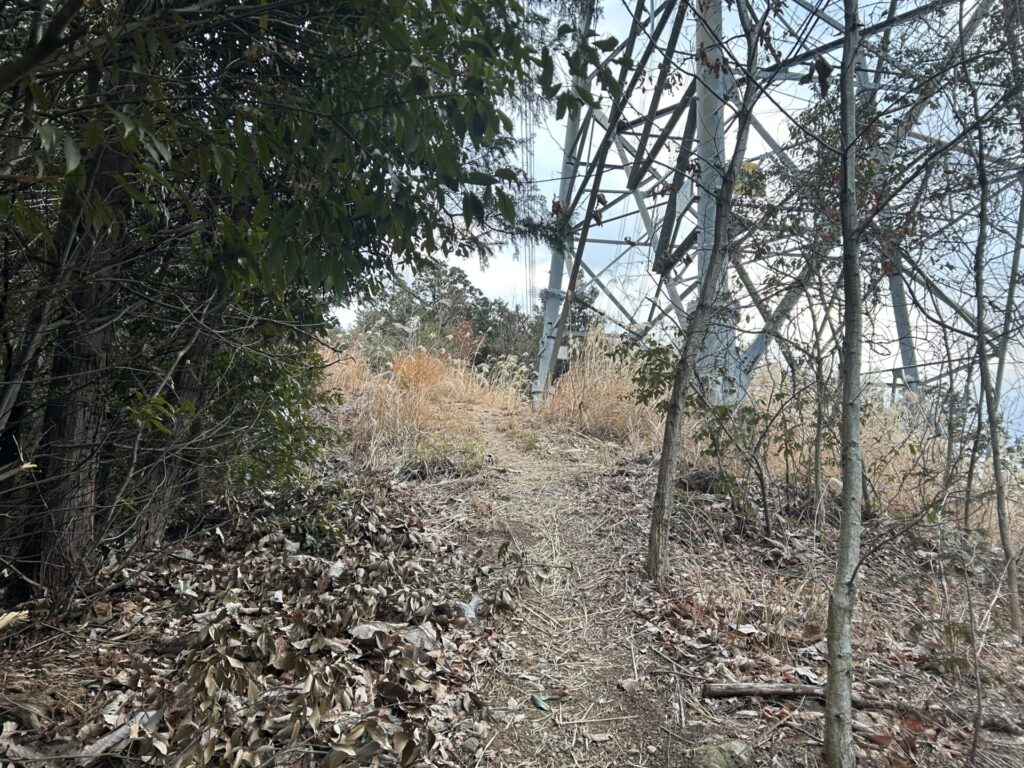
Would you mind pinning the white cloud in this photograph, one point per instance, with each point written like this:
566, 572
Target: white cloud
510, 278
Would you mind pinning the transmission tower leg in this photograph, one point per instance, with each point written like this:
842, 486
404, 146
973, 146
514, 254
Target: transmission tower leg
900, 308
572, 151
718, 363
710, 148
553, 296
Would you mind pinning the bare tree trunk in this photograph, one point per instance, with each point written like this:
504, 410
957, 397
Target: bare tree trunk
664, 494
72, 426
838, 698
989, 389
819, 416
73, 417
1011, 294
972, 464
707, 300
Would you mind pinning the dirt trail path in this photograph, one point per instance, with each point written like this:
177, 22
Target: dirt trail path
583, 672
576, 682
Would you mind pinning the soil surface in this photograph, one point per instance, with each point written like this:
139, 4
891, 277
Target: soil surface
572, 659
576, 682
595, 668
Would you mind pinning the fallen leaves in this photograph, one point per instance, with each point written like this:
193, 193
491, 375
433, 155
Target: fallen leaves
310, 630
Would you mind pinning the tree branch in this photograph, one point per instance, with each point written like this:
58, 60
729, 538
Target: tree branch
52, 39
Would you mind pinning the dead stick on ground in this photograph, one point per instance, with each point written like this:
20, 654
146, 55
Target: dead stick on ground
540, 615
795, 691
679, 668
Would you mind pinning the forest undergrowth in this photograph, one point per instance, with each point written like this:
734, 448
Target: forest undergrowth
752, 561
462, 584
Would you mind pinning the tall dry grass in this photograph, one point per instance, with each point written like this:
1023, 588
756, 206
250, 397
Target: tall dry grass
596, 396
415, 412
903, 453
412, 412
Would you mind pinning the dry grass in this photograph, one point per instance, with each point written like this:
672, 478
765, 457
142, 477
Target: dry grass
412, 414
904, 453
904, 450
597, 397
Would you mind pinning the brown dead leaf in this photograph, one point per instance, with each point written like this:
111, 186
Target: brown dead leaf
914, 723
811, 632
882, 740
629, 685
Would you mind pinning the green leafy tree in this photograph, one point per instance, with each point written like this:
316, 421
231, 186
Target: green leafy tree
184, 189
441, 309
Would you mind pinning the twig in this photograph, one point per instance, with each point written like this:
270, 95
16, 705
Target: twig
796, 690
600, 720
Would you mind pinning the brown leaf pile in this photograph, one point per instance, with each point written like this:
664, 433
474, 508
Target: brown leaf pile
322, 629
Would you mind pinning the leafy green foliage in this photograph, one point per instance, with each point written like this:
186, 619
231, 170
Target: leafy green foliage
442, 309
311, 142
184, 191
653, 364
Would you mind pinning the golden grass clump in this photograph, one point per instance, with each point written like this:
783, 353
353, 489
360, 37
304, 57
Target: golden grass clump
417, 413
596, 396
413, 415
904, 453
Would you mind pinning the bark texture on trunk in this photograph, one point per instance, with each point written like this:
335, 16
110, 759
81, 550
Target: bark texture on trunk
839, 751
71, 444
73, 417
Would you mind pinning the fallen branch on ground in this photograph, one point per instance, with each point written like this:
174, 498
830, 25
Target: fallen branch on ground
802, 691
995, 722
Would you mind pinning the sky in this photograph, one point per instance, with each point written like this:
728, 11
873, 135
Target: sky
517, 279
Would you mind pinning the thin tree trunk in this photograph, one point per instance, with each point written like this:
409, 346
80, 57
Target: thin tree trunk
664, 494
169, 477
707, 300
819, 415
838, 697
991, 404
989, 389
972, 464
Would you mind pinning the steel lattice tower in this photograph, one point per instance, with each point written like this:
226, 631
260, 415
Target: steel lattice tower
640, 173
